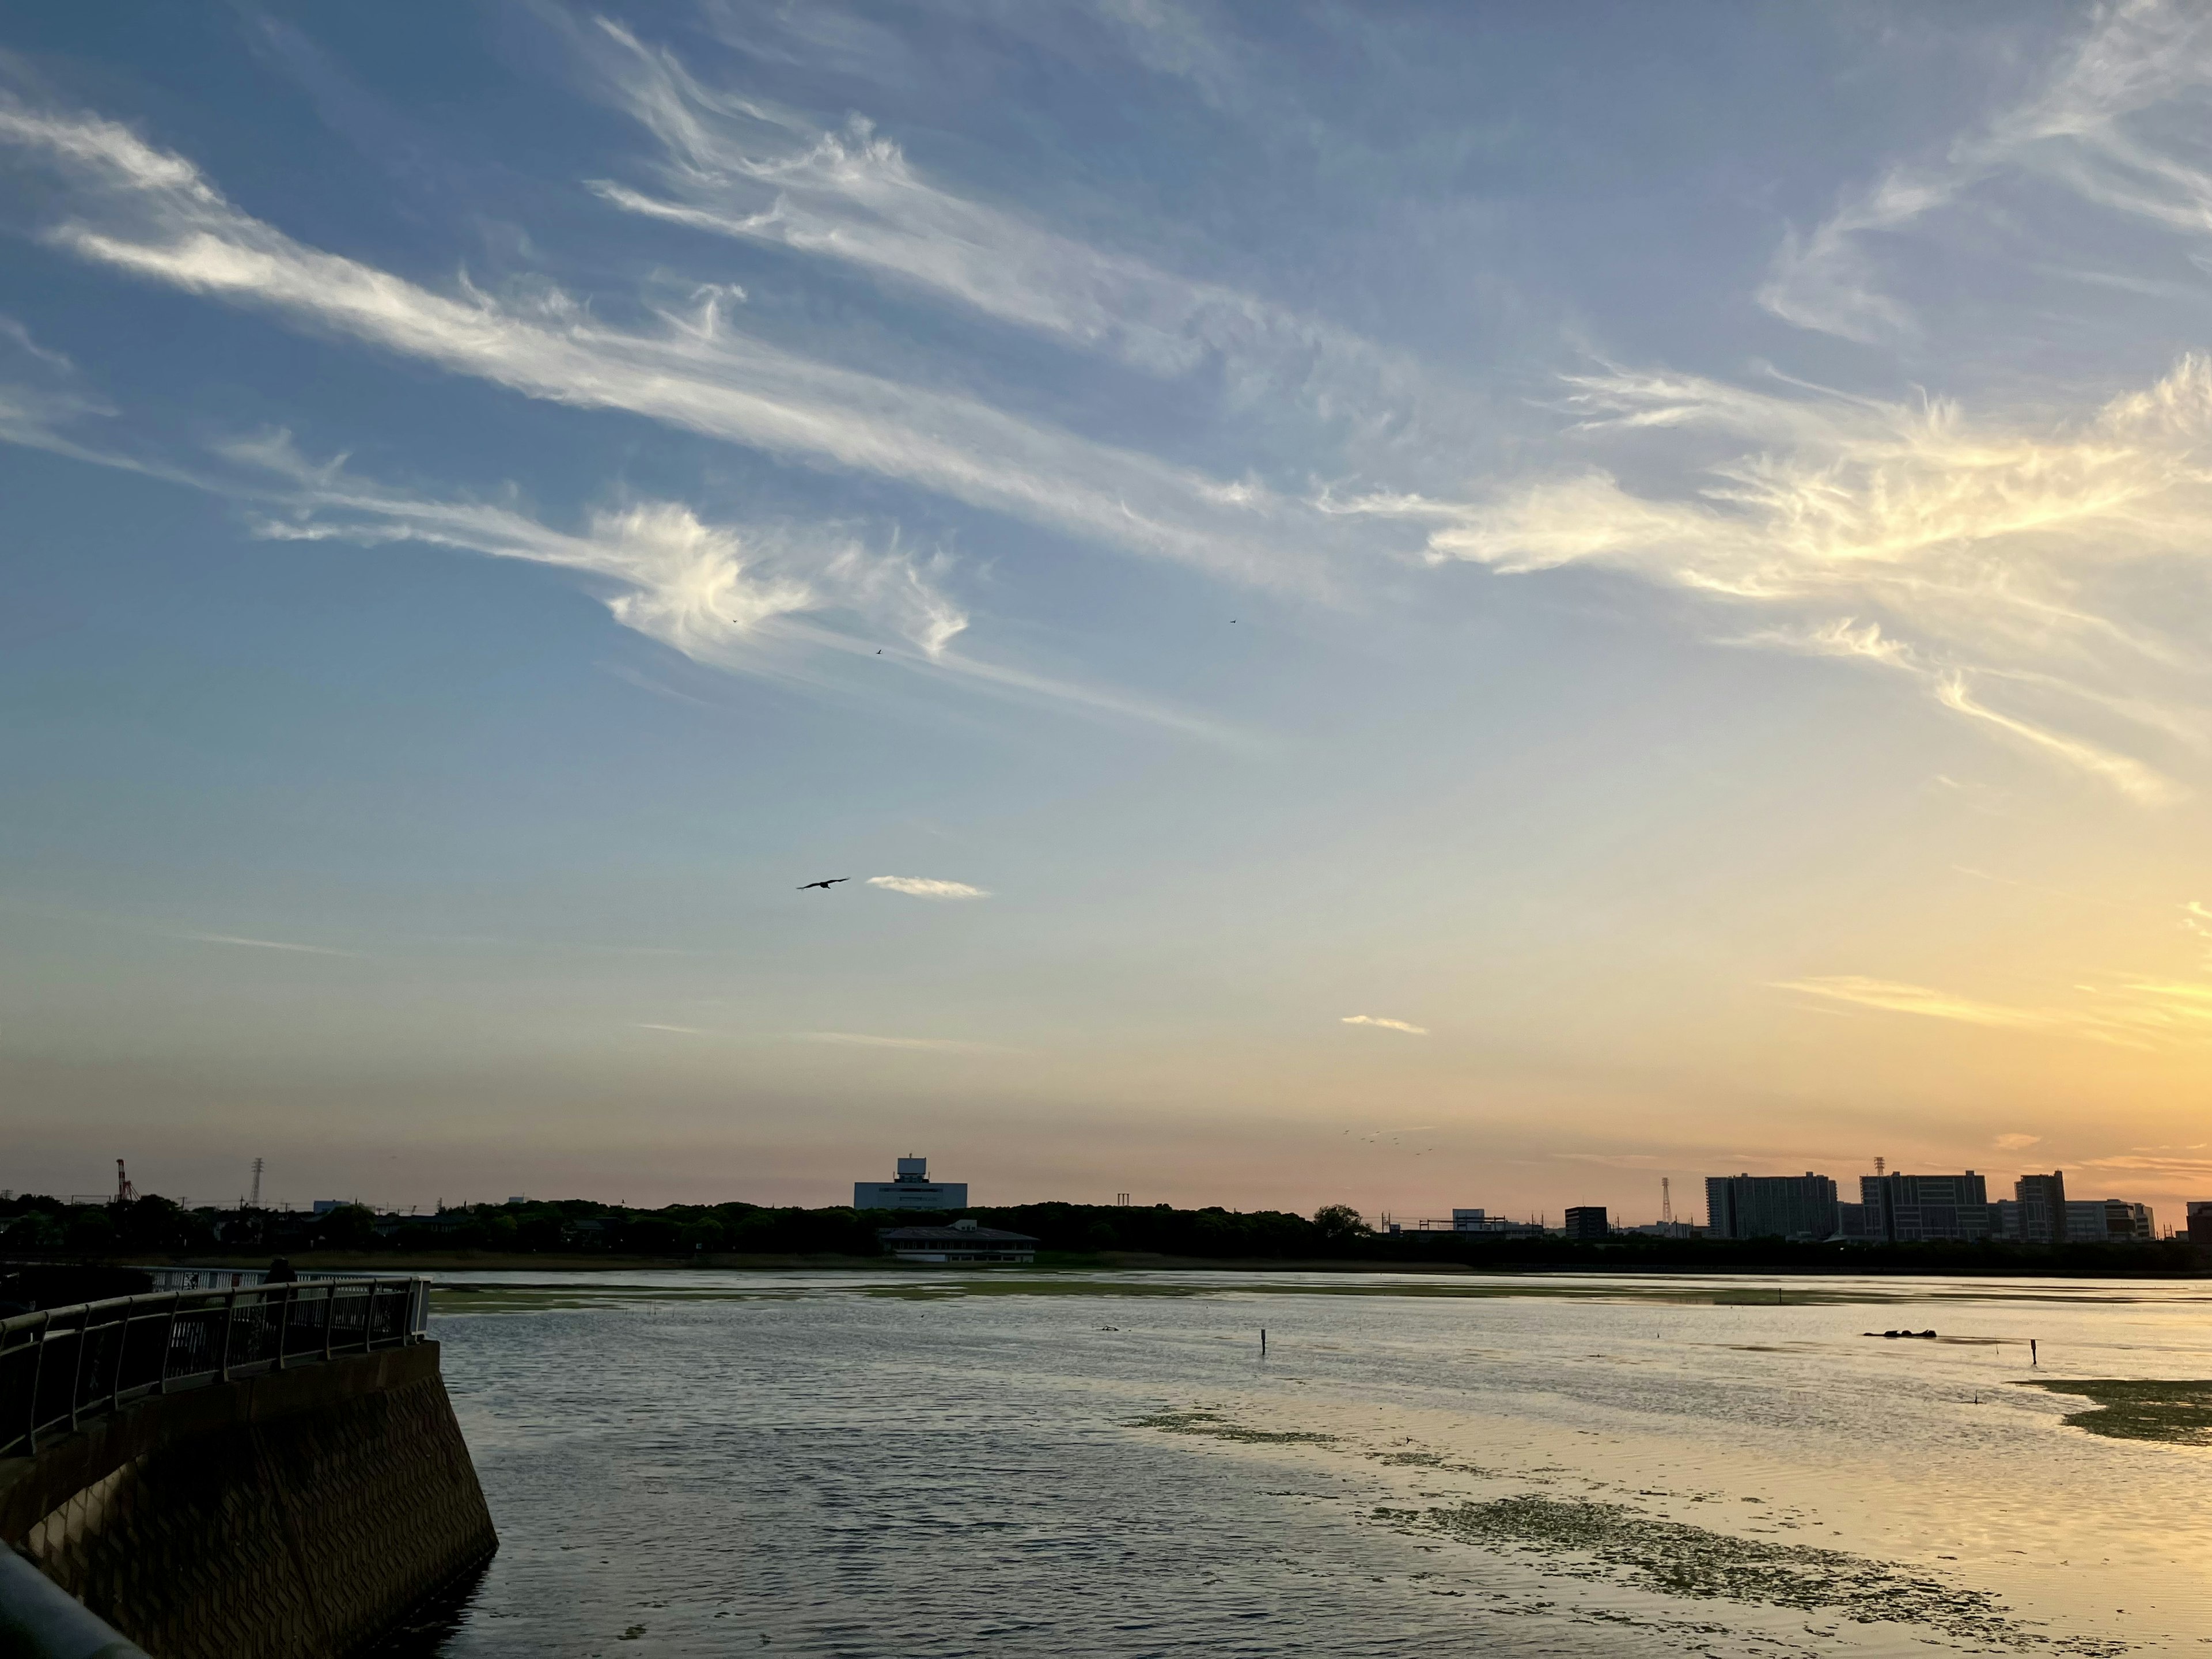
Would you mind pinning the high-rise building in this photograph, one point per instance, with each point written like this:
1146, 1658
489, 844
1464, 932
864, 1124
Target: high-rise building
2200, 1224
1904, 1209
912, 1190
1587, 1221
2042, 1201
1770, 1207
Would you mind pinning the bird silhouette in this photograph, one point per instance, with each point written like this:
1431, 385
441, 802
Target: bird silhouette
824, 885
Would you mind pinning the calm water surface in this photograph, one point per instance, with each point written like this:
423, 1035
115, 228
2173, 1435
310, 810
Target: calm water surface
942, 1464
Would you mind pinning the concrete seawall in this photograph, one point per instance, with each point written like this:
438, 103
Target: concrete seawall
299, 1512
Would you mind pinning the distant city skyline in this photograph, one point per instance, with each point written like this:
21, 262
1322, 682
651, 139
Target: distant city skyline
1407, 605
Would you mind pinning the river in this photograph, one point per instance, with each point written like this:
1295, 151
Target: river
919, 1465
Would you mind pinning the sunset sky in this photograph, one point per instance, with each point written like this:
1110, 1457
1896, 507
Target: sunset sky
1416, 605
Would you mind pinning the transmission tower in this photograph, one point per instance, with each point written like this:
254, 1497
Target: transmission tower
125, 1192
254, 1202
1666, 1202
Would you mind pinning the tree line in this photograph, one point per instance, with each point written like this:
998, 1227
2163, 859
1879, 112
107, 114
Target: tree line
35, 1227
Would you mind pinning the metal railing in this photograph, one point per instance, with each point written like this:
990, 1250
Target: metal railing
62, 1365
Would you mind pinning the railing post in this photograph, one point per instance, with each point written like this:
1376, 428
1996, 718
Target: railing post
77, 1371
37, 1370
122, 1353
330, 1316
169, 1339
229, 1317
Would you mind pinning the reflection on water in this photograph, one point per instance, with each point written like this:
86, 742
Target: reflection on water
913, 1464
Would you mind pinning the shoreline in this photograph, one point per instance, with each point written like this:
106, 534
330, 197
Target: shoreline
449, 1261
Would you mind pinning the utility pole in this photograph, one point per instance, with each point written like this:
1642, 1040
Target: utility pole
254, 1202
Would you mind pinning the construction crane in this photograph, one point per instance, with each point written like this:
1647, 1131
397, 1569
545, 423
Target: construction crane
125, 1192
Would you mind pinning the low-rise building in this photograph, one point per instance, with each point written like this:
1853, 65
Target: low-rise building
1485, 1226
963, 1240
2107, 1221
913, 1190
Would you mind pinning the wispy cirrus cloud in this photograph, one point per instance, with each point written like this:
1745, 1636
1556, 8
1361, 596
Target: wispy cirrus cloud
2115, 124
2130, 1011
267, 945
2015, 1142
698, 588
760, 599
928, 887
1894, 997
735, 167
1385, 1024
138, 208
2022, 577
2172, 1164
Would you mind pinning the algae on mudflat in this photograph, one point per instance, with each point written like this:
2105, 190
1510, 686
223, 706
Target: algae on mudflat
2178, 1413
1679, 1559
1214, 1427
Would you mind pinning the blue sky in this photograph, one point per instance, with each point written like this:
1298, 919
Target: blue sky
1422, 605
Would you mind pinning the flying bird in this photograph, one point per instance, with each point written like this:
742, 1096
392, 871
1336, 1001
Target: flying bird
824, 885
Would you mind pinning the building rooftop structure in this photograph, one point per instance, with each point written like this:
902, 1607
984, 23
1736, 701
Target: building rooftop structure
912, 1189
963, 1240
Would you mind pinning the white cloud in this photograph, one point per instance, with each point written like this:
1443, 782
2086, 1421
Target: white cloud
2016, 1142
679, 1030
2117, 123
2129, 1012
266, 944
744, 597
1995, 563
735, 167
142, 211
1387, 1024
927, 887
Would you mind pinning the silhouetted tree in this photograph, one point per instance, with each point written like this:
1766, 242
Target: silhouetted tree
1340, 1223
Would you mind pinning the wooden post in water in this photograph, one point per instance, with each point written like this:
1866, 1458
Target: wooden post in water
1263, 1340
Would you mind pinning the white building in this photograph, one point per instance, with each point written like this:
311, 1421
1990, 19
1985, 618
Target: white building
1491, 1226
912, 1190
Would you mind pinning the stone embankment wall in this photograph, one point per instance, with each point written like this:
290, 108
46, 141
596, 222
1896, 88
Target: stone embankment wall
297, 1513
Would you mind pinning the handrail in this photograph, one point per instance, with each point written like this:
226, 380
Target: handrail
40, 1619
60, 1366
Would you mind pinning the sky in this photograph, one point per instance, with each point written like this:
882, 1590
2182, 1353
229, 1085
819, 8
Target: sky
1415, 605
